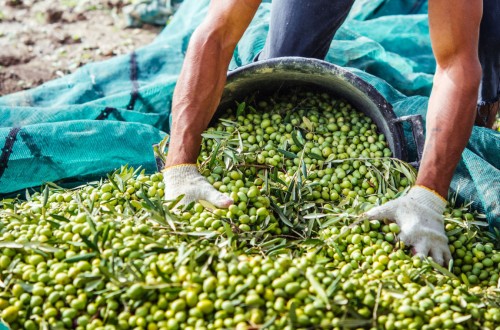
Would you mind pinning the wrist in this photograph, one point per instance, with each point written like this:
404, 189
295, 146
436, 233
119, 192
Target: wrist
180, 173
178, 167
428, 198
432, 191
438, 188
184, 145
178, 156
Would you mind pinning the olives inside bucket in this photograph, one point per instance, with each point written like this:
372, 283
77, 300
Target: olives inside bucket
268, 77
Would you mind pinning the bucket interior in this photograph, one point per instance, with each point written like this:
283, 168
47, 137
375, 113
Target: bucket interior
275, 75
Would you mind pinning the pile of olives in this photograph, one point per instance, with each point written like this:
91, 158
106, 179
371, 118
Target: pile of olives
293, 251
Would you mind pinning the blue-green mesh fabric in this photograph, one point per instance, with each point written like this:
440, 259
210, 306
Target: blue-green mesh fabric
110, 113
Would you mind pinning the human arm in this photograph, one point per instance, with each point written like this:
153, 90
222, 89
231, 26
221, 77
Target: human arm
197, 95
454, 29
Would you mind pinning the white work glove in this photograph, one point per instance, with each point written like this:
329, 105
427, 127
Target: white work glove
184, 179
419, 215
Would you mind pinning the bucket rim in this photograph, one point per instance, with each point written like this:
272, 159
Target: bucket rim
304, 64
384, 115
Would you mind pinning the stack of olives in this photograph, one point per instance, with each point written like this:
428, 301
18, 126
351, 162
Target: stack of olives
291, 253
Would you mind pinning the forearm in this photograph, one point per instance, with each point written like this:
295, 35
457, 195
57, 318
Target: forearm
197, 95
450, 118
452, 104
201, 82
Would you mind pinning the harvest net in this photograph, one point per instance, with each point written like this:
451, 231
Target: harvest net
110, 113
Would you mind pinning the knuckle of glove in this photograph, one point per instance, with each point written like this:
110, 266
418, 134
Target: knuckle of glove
429, 234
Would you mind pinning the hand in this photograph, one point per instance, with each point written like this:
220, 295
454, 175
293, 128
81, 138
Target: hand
419, 214
185, 180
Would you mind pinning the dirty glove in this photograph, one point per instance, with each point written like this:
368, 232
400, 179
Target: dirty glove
419, 215
184, 179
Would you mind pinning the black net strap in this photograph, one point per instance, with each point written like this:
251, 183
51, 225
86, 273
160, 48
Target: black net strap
133, 77
7, 149
107, 112
28, 140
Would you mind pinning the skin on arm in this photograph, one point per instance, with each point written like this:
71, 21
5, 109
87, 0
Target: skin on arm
203, 75
454, 27
454, 30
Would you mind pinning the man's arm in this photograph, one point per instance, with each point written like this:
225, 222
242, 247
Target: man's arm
197, 95
454, 28
203, 75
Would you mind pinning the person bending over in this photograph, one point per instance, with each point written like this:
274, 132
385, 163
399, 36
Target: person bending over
464, 37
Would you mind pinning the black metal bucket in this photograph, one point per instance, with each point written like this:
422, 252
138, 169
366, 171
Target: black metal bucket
268, 76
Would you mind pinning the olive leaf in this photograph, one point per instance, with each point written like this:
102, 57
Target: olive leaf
297, 140
441, 269
288, 154
308, 123
269, 322
353, 323
240, 110
87, 256
292, 315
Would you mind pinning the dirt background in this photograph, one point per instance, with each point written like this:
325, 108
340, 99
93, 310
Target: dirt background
44, 39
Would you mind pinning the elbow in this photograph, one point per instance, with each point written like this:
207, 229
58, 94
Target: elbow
463, 69
213, 36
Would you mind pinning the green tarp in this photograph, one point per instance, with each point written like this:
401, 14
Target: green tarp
108, 114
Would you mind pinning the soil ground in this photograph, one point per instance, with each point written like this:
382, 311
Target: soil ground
44, 39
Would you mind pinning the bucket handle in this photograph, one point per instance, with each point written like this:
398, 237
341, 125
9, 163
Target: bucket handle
417, 130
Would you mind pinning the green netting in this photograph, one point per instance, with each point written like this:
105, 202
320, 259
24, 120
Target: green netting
110, 113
